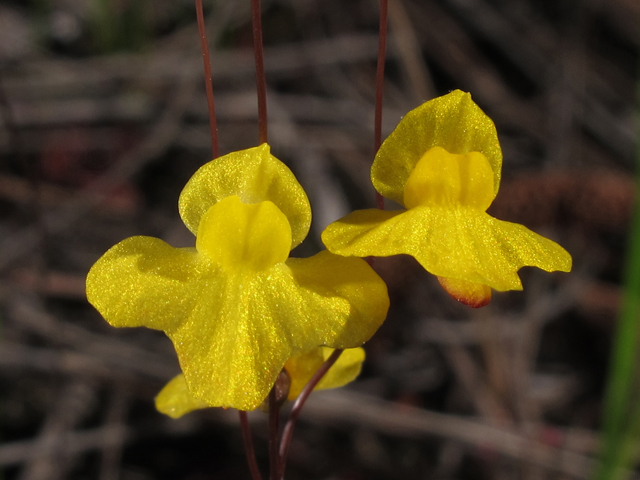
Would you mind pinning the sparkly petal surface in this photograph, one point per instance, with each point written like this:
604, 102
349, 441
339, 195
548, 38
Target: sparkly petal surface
144, 281
245, 326
239, 236
175, 399
461, 243
453, 122
235, 307
254, 175
447, 180
347, 299
301, 368
234, 325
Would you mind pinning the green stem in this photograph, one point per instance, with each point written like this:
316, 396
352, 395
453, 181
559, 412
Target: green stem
628, 451
625, 347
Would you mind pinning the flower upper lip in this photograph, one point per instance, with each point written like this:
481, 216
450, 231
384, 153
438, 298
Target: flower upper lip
253, 175
453, 122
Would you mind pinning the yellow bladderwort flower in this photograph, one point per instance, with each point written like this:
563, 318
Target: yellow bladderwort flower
175, 399
236, 306
443, 164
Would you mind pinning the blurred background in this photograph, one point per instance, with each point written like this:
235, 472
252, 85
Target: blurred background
103, 119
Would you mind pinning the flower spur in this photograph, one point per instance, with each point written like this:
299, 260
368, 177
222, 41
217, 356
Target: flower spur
443, 164
236, 307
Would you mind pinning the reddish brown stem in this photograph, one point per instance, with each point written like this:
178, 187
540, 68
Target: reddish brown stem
287, 433
248, 446
261, 82
274, 420
206, 59
382, 47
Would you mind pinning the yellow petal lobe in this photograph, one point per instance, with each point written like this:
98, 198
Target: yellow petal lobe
248, 323
301, 368
143, 281
344, 296
254, 175
367, 230
472, 294
175, 400
453, 122
239, 236
444, 179
460, 243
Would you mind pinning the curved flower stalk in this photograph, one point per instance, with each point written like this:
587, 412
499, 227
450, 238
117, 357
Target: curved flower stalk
301, 368
175, 400
236, 307
443, 164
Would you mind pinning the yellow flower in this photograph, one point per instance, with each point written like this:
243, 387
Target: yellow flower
236, 307
301, 368
443, 163
175, 399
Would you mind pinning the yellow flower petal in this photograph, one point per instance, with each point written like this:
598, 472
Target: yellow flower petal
175, 399
235, 308
301, 368
472, 294
453, 122
364, 231
239, 236
254, 175
234, 327
245, 326
238, 337
344, 295
144, 281
448, 180
460, 243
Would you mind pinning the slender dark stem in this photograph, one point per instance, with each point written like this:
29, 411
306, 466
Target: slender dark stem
261, 82
274, 420
287, 433
207, 78
382, 47
248, 446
